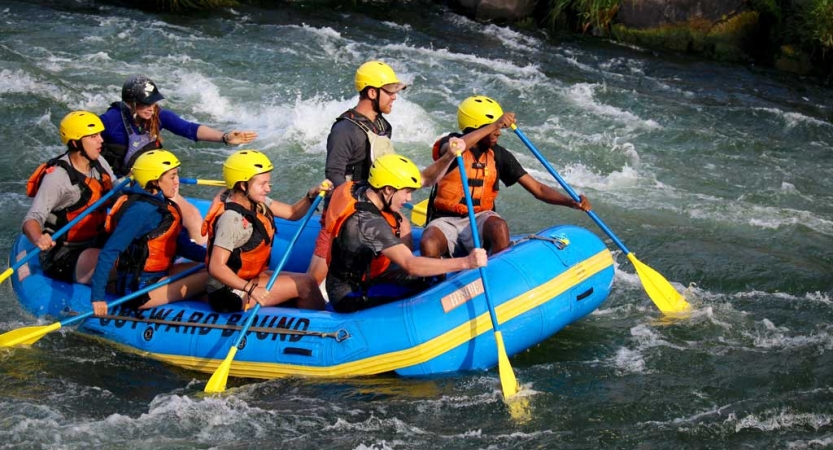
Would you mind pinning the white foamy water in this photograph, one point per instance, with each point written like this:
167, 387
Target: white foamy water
713, 174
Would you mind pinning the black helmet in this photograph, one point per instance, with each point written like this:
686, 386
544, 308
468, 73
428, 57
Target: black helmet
140, 89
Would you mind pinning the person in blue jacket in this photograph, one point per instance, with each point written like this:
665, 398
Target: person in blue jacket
146, 237
133, 126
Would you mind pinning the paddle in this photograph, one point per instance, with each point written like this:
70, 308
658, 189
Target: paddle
667, 299
219, 183
507, 376
419, 212
217, 382
64, 229
30, 335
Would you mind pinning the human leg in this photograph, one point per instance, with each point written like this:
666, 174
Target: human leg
292, 285
85, 266
182, 289
433, 243
495, 232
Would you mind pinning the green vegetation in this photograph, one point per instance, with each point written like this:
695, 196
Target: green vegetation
795, 35
812, 26
583, 15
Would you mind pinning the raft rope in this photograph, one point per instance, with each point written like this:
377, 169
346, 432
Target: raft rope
339, 335
559, 243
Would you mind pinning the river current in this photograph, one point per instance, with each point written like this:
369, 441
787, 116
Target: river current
717, 176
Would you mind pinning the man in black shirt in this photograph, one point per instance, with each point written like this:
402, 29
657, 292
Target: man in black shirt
359, 136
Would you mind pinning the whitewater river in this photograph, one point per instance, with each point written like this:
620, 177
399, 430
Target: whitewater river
717, 176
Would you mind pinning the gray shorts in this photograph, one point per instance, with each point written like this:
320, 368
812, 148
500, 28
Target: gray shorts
457, 231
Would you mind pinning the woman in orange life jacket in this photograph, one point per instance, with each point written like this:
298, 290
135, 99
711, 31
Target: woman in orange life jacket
146, 237
370, 259
487, 164
134, 126
62, 189
240, 227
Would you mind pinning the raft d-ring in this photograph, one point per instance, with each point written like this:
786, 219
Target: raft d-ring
341, 335
242, 343
148, 334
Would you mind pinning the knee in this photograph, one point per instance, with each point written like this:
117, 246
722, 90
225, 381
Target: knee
495, 234
306, 285
433, 244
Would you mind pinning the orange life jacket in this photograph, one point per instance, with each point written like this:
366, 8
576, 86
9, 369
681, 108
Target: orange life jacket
156, 250
484, 183
343, 204
92, 189
252, 258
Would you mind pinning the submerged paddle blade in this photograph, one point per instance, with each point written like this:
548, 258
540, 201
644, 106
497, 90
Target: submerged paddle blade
667, 299
508, 382
217, 382
26, 335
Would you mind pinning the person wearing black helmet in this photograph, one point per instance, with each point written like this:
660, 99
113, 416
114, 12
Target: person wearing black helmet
133, 126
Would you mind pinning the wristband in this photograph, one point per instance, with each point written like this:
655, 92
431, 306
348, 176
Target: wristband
225, 138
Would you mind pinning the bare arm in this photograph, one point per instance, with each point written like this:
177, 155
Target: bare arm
33, 231
432, 174
473, 137
421, 266
218, 269
234, 137
297, 210
549, 195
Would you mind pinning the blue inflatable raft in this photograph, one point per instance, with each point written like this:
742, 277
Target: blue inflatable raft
541, 284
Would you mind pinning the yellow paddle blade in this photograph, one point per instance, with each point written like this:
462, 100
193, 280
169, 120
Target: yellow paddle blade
667, 299
26, 335
508, 382
419, 213
217, 382
6, 274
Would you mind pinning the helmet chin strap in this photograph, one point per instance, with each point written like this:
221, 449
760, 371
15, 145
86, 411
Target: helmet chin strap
80, 147
387, 201
375, 101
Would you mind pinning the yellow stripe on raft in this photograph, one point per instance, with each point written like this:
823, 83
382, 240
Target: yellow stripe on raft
420, 353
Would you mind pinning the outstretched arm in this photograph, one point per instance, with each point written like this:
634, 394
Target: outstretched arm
297, 210
473, 137
432, 174
549, 195
234, 137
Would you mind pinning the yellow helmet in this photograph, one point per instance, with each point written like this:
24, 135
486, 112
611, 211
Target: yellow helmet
242, 165
78, 124
476, 111
396, 171
150, 166
376, 74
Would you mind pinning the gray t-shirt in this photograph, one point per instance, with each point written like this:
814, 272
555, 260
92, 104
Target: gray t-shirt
362, 230
231, 231
57, 192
